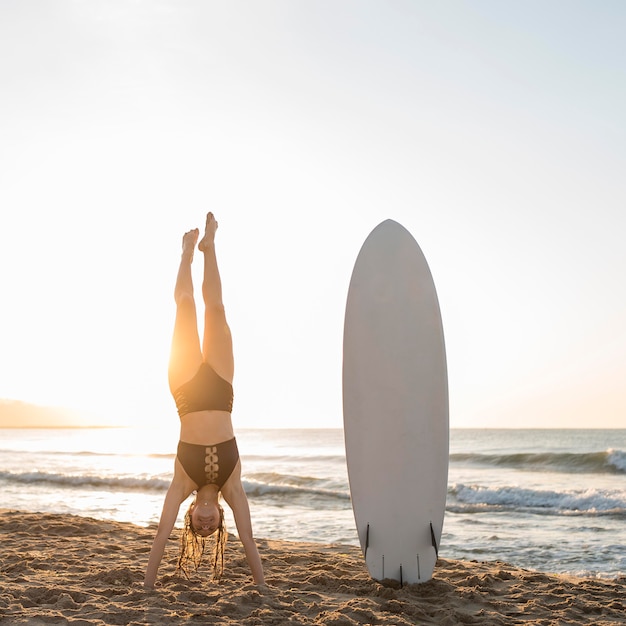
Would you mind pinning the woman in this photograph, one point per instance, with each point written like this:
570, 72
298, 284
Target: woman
207, 461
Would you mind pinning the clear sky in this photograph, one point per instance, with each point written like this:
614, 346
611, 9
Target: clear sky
493, 131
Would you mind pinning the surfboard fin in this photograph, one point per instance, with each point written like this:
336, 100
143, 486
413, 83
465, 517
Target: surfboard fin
367, 540
433, 539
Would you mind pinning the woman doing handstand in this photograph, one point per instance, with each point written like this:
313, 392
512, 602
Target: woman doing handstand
207, 460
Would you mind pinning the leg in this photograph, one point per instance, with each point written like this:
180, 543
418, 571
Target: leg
217, 345
185, 354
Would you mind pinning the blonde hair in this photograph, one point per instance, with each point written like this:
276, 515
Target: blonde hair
193, 546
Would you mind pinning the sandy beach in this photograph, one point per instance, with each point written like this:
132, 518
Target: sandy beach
63, 569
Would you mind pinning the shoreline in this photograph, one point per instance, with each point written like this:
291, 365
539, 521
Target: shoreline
68, 569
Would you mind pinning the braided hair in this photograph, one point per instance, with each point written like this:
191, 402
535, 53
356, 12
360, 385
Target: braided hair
193, 545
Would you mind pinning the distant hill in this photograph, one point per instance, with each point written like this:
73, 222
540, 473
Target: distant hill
17, 414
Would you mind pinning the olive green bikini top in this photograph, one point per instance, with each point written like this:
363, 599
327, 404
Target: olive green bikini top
206, 391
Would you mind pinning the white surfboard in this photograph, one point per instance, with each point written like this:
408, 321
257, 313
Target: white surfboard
395, 406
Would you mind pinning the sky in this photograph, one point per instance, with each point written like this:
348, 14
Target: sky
493, 131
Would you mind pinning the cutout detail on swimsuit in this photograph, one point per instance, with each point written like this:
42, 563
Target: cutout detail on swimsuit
208, 464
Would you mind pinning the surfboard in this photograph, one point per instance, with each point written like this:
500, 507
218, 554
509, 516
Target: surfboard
395, 406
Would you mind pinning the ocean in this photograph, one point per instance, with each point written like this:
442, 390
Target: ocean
545, 500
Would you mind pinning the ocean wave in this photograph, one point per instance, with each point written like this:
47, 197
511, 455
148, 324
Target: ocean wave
594, 502
286, 487
269, 485
608, 462
86, 454
296, 458
121, 483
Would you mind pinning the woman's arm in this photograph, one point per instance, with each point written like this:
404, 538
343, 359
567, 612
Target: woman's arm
171, 506
236, 498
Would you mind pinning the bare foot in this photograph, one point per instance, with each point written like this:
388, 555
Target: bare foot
209, 233
189, 243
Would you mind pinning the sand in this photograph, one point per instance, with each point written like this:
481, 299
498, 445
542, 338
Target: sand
63, 569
